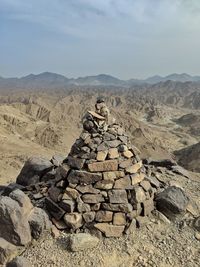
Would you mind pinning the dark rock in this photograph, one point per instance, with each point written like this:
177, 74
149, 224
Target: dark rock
75, 163
197, 224
83, 177
54, 209
23, 200
33, 169
39, 222
19, 262
172, 202
107, 165
14, 225
54, 193
51, 175
11, 187
167, 163
67, 205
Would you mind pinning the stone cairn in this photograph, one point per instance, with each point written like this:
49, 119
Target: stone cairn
101, 186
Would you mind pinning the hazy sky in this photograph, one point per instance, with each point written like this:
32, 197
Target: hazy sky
124, 38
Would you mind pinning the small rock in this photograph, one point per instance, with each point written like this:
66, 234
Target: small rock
134, 168
104, 216
110, 230
119, 218
101, 155
117, 196
73, 220
82, 241
19, 262
107, 165
113, 153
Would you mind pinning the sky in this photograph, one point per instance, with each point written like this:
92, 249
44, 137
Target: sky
123, 38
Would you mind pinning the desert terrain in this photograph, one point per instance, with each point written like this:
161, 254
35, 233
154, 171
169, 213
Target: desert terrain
163, 122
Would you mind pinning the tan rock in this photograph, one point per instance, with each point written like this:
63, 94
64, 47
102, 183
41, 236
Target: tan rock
145, 185
92, 198
125, 207
7, 251
110, 230
134, 168
104, 184
127, 154
137, 178
104, 216
148, 206
119, 218
117, 196
89, 216
138, 194
109, 175
123, 183
125, 164
113, 153
71, 193
73, 220
108, 165
101, 155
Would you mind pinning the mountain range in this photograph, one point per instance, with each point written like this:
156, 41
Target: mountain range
54, 80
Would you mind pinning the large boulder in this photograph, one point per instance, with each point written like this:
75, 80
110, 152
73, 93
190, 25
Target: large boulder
39, 222
33, 169
14, 226
7, 251
172, 202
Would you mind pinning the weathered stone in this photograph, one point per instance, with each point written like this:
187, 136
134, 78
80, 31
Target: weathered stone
54, 193
145, 185
62, 172
89, 216
101, 155
50, 175
122, 148
92, 198
82, 241
148, 207
71, 193
138, 194
23, 200
14, 225
104, 216
127, 154
172, 202
7, 251
33, 167
110, 230
137, 178
125, 164
117, 207
117, 196
124, 139
108, 137
104, 184
142, 221
54, 209
73, 220
102, 147
119, 218
131, 227
81, 206
19, 262
57, 160
154, 181
87, 189
75, 163
39, 222
113, 143
113, 153
108, 165
123, 183
160, 216
83, 177
60, 225
95, 207
134, 168
6, 190
196, 224
109, 175
67, 205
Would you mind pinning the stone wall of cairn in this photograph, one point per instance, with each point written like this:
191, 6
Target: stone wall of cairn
102, 183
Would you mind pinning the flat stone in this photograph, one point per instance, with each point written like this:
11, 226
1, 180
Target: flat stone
67, 205
125, 164
104, 184
109, 175
102, 147
101, 155
87, 189
82, 207
108, 165
82, 241
84, 177
138, 194
119, 218
7, 251
73, 220
154, 181
148, 207
113, 153
137, 178
117, 196
123, 139
92, 198
95, 207
113, 143
71, 193
89, 216
110, 230
104, 216
62, 172
145, 185
75, 163
54, 193
123, 183
127, 154
117, 207
56, 211
60, 225
134, 168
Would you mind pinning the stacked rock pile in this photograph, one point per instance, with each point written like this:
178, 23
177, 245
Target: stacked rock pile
102, 183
